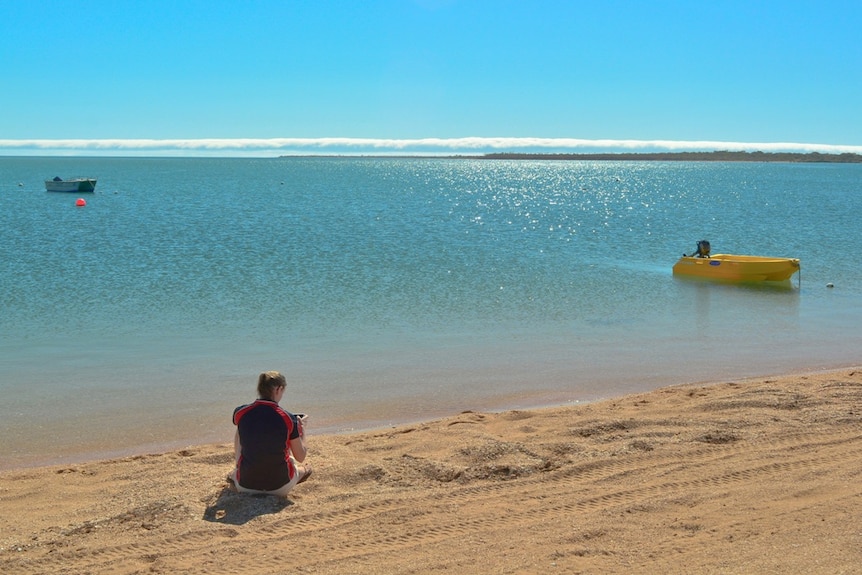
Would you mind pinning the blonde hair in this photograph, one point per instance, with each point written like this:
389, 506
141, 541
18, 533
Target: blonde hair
268, 383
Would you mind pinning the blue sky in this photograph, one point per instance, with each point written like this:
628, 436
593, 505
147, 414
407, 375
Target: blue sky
268, 77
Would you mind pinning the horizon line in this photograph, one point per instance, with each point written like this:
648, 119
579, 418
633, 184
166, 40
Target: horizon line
347, 146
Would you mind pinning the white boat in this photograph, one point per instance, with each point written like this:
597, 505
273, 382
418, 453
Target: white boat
71, 185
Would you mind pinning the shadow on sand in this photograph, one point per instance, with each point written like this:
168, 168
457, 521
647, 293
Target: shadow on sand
234, 508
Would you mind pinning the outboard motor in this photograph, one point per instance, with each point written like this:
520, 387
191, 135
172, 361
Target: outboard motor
702, 250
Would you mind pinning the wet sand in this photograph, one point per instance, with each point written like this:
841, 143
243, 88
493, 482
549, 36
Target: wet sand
746, 476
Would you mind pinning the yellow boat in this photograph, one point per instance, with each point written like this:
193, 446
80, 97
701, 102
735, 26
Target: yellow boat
737, 268
734, 267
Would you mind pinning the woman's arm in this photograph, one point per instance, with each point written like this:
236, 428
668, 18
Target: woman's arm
297, 448
237, 446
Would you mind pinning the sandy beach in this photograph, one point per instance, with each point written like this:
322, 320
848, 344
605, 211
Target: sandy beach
746, 476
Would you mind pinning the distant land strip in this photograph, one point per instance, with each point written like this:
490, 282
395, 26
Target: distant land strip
717, 156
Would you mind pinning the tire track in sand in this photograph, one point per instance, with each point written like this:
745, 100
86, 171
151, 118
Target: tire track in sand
391, 523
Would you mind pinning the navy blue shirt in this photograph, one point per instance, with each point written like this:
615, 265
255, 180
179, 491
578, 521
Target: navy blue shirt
265, 431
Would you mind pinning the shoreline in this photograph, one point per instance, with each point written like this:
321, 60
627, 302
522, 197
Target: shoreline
350, 426
757, 474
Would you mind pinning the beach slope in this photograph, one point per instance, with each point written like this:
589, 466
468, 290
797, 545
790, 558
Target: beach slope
749, 476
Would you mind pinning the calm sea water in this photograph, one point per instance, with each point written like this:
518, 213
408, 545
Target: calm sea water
391, 290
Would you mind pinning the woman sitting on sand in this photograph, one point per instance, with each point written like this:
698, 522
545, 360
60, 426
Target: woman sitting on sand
269, 441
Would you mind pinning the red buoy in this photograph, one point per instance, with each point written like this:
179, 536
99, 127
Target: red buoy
81, 202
